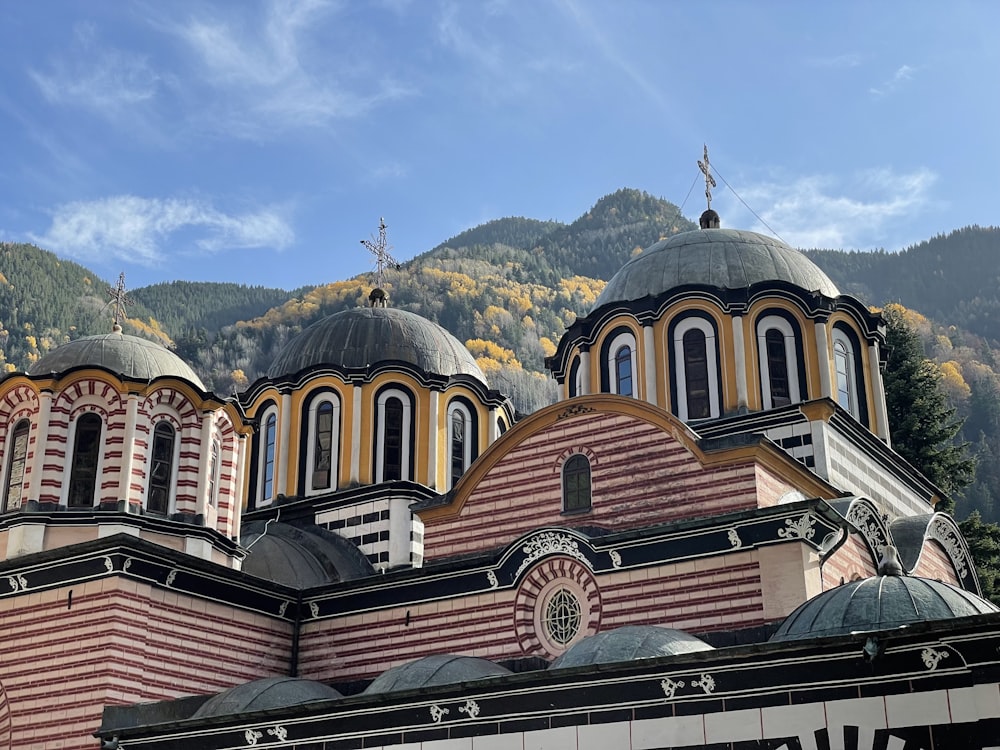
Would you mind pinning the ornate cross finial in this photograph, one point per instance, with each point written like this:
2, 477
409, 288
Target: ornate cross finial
118, 302
380, 249
706, 169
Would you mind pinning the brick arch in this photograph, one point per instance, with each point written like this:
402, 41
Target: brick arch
174, 402
564, 456
531, 597
17, 403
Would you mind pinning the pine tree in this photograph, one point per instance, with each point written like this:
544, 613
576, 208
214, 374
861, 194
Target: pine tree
984, 545
923, 427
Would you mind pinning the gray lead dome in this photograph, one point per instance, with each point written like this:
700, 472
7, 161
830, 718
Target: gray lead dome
718, 258
365, 336
879, 603
119, 353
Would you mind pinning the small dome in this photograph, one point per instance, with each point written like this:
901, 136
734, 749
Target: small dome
628, 644
879, 603
718, 258
365, 336
125, 355
300, 557
261, 695
439, 669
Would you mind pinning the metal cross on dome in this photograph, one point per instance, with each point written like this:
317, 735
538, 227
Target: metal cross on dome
706, 169
380, 249
119, 300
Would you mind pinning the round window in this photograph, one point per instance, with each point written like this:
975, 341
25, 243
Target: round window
563, 616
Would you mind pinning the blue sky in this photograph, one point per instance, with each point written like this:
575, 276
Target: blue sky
258, 142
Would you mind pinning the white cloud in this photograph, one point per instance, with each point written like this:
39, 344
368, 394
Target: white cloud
903, 73
279, 72
100, 78
820, 212
846, 60
133, 229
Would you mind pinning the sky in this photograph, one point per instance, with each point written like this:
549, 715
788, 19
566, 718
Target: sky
259, 141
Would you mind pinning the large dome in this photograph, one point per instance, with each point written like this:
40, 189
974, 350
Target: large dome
264, 694
436, 669
879, 603
125, 355
629, 643
365, 336
718, 258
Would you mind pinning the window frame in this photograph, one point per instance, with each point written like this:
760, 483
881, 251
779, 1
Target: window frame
331, 399
790, 338
457, 408
74, 455
679, 330
13, 459
170, 486
574, 494
406, 434
613, 345
269, 421
858, 400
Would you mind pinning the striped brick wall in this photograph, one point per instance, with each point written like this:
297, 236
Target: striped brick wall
641, 475
850, 562
117, 641
17, 404
173, 406
934, 562
697, 596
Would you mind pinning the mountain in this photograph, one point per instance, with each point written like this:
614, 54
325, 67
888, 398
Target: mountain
508, 289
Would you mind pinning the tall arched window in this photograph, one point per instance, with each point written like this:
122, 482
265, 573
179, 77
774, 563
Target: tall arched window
213, 473
576, 483
694, 374
461, 435
393, 458
619, 357
161, 468
267, 456
86, 458
778, 361
323, 445
850, 388
17, 448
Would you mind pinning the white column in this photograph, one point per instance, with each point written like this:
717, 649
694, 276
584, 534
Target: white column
823, 350
128, 451
284, 443
434, 438
584, 373
356, 436
238, 487
649, 361
740, 357
205, 463
41, 442
491, 428
878, 394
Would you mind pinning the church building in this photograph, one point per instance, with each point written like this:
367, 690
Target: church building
708, 540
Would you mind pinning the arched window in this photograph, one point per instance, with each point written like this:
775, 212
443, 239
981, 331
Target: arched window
161, 468
213, 473
695, 373
778, 361
17, 447
323, 445
618, 354
461, 436
392, 451
267, 446
575, 378
576, 483
86, 458
850, 389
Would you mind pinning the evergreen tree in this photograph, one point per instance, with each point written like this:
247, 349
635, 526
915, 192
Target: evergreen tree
984, 544
923, 427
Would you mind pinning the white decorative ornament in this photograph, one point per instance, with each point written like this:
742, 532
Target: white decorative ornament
869, 524
492, 578
282, 609
616, 558
18, 582
171, 577
706, 683
278, 731
670, 687
800, 528
108, 565
932, 658
942, 532
438, 713
471, 708
550, 543
734, 539
252, 736
314, 609
127, 565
